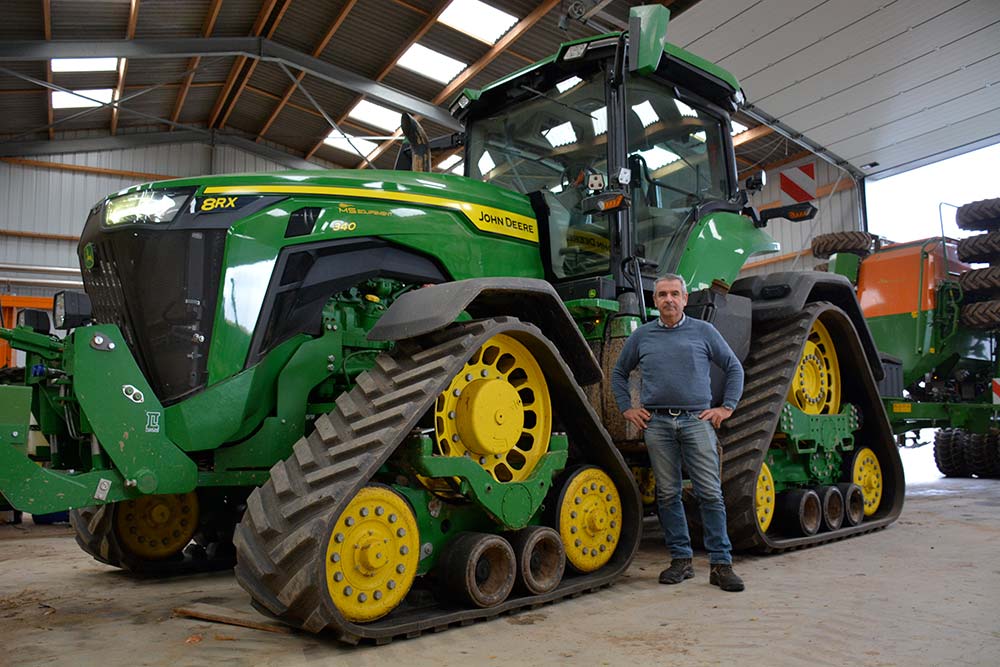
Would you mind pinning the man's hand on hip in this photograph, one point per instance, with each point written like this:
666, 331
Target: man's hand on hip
638, 416
715, 415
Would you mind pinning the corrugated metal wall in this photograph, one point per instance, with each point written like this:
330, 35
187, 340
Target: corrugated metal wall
838, 211
39, 200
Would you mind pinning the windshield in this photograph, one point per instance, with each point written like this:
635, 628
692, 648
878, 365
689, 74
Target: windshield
677, 155
553, 142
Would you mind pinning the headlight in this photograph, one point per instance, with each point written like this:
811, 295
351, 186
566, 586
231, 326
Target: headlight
70, 309
147, 207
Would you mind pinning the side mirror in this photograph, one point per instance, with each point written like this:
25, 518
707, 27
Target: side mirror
756, 182
793, 212
420, 159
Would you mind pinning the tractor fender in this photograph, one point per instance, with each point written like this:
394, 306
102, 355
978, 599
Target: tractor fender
530, 300
783, 294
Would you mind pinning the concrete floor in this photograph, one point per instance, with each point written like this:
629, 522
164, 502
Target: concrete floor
925, 591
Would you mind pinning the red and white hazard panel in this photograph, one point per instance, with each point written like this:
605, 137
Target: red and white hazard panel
798, 184
996, 391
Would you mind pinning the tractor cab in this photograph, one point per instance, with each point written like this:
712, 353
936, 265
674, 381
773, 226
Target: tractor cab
621, 162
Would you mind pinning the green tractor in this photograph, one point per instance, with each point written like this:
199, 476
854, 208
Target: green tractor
380, 393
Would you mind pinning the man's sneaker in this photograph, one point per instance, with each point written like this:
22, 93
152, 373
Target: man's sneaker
679, 570
723, 576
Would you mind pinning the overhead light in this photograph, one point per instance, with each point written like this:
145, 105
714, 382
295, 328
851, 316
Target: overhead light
72, 99
563, 86
449, 162
738, 128
477, 19
376, 115
431, 64
84, 64
685, 109
869, 166
645, 113
486, 163
600, 120
560, 135
657, 157
350, 143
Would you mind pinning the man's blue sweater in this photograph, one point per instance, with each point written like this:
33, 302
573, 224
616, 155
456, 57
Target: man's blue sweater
675, 363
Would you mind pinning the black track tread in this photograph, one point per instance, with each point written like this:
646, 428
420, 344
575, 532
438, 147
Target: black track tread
775, 349
281, 541
95, 534
982, 214
949, 452
980, 281
981, 314
980, 248
856, 242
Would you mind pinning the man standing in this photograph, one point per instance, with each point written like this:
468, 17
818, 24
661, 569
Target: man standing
674, 354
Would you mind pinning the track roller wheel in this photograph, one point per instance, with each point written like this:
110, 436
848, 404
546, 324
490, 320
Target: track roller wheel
479, 569
589, 518
832, 502
541, 559
815, 387
867, 473
372, 554
764, 498
646, 482
854, 503
497, 411
156, 527
801, 511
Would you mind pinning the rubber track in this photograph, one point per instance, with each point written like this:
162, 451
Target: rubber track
775, 350
982, 214
281, 542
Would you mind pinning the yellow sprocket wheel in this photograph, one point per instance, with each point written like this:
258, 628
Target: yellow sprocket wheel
497, 411
589, 519
646, 482
764, 498
157, 527
866, 472
372, 554
816, 385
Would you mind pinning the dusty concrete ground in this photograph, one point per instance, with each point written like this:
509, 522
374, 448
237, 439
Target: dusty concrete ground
926, 591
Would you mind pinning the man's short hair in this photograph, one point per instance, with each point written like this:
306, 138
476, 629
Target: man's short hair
671, 276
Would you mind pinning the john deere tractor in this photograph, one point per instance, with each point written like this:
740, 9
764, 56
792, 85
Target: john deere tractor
381, 393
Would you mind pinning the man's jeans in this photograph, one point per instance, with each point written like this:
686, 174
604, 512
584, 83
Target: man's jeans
671, 440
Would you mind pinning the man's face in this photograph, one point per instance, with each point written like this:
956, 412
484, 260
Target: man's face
670, 299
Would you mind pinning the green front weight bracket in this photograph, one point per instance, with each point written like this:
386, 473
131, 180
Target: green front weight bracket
510, 504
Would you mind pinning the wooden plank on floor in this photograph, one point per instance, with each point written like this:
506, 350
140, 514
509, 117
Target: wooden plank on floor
211, 612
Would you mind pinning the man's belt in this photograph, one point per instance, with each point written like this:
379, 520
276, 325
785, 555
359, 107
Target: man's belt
672, 412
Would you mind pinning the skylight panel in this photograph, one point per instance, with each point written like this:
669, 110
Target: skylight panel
560, 135
431, 64
700, 136
738, 128
344, 142
69, 100
657, 157
84, 64
478, 19
599, 118
375, 115
685, 109
486, 163
566, 84
646, 113
449, 162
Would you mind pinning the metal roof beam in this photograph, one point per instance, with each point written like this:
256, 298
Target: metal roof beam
252, 47
139, 140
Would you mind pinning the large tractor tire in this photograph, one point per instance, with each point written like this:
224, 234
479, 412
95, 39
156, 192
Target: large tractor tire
982, 456
858, 243
981, 282
983, 214
981, 314
949, 452
783, 351
983, 248
309, 544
